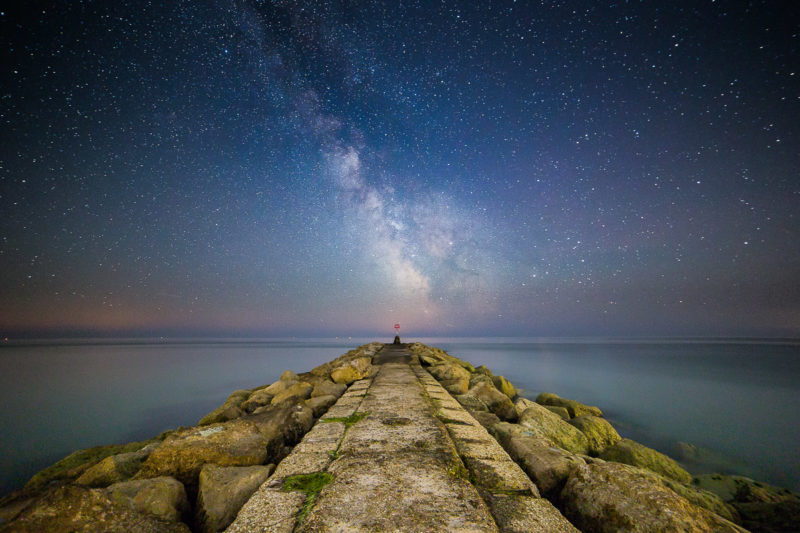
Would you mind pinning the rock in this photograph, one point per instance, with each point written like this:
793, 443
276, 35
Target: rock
685, 451
431, 355
74, 508
294, 393
610, 497
259, 398
599, 431
454, 378
547, 466
328, 388
228, 410
239, 442
761, 507
345, 375
75, 464
504, 386
223, 490
574, 408
560, 411
12, 505
320, 404
483, 370
635, 454
724, 486
289, 376
115, 468
703, 498
351, 371
470, 402
283, 425
476, 378
164, 497
518, 513
497, 402
486, 419
521, 404
541, 422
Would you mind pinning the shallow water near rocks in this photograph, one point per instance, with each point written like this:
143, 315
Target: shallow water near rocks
738, 400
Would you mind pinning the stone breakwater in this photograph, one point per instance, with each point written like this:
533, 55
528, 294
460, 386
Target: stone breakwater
391, 438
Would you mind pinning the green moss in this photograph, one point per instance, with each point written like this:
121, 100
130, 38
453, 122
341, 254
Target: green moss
458, 470
311, 484
347, 420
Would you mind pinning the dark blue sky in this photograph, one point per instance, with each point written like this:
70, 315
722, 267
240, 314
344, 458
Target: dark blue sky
483, 168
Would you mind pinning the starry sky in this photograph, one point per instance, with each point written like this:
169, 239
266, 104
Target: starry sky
275, 168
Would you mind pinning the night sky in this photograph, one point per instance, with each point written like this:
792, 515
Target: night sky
272, 168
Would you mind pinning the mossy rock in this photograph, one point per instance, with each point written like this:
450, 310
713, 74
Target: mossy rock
504, 386
483, 370
703, 498
635, 454
470, 402
228, 410
599, 431
575, 408
76, 463
497, 402
608, 497
560, 411
538, 421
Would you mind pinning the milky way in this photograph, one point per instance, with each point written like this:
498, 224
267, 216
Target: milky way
468, 168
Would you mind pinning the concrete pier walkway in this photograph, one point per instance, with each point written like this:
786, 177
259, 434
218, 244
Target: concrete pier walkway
398, 453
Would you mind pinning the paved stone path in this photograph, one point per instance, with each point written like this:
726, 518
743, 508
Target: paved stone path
402, 455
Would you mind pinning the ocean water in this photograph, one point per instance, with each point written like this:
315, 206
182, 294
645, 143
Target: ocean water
739, 401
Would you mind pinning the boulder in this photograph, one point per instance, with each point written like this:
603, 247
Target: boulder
504, 386
761, 507
476, 378
116, 468
560, 411
295, 392
239, 442
320, 404
260, 398
574, 408
431, 355
283, 425
352, 370
541, 422
483, 370
471, 403
607, 497
703, 498
228, 410
521, 404
497, 402
289, 376
75, 464
328, 388
222, 492
454, 379
599, 431
76, 508
547, 466
635, 454
164, 497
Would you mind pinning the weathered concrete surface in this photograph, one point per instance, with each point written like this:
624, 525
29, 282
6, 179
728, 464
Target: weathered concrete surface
403, 455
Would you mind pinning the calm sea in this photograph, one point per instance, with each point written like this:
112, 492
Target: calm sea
739, 401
